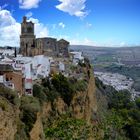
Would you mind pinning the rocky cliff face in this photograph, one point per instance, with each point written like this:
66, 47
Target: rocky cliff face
83, 106
84, 103
8, 120
37, 131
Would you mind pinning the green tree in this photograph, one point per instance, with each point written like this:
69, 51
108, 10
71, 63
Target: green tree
67, 128
38, 93
62, 85
138, 102
29, 108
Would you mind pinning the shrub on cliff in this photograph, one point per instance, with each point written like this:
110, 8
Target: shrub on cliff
80, 85
122, 120
138, 102
38, 93
10, 95
30, 106
120, 100
67, 128
62, 85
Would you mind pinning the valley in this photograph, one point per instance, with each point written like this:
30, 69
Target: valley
124, 61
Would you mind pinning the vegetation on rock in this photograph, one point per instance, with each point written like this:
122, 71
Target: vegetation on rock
121, 121
67, 128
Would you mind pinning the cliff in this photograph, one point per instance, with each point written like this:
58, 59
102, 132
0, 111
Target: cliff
83, 106
84, 103
87, 117
32, 120
8, 119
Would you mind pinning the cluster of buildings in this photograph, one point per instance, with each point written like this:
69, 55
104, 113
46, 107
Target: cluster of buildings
37, 58
118, 81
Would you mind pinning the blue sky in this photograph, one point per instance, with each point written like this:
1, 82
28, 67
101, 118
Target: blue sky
87, 22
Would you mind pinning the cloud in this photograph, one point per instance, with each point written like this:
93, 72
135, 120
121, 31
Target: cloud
10, 29
84, 41
122, 44
73, 7
3, 6
88, 25
61, 24
28, 4
29, 14
40, 29
54, 26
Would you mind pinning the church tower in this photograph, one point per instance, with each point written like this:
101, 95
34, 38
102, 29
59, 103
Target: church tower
27, 38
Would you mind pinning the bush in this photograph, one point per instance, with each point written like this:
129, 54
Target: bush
62, 85
30, 103
120, 100
38, 93
67, 87
67, 128
10, 95
138, 102
52, 95
123, 115
3, 105
20, 131
46, 83
29, 107
80, 85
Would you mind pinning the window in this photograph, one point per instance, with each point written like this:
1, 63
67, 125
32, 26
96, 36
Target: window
29, 91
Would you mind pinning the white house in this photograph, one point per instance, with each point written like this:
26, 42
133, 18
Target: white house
61, 67
77, 56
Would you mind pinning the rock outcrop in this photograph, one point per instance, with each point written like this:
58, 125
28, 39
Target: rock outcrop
83, 106
8, 120
37, 131
84, 103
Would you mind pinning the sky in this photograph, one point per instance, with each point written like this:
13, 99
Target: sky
81, 22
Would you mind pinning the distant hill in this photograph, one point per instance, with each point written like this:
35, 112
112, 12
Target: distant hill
125, 55
80, 47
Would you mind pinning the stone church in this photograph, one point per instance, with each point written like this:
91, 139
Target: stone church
31, 46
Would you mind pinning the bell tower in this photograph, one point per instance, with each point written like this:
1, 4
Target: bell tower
27, 37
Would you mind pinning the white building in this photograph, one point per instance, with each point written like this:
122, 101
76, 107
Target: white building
40, 66
7, 52
32, 68
77, 56
28, 79
8, 84
61, 67
118, 81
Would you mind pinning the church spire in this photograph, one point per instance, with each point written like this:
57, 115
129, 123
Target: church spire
24, 19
